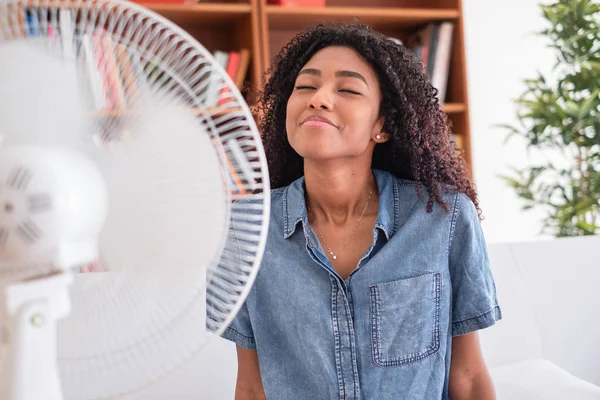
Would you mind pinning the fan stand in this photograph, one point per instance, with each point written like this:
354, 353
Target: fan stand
28, 370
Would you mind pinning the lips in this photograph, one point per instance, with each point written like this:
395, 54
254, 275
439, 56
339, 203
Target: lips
317, 120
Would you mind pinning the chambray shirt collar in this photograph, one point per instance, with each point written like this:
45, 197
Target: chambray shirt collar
294, 205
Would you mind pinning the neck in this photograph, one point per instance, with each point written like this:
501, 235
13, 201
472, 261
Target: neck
339, 193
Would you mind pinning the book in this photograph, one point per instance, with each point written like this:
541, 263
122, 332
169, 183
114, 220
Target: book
432, 45
113, 73
130, 85
242, 71
233, 178
433, 42
93, 73
33, 23
443, 51
103, 69
66, 33
51, 35
214, 85
233, 64
420, 43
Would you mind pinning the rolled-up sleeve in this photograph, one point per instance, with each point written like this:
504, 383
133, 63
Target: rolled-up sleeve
240, 330
474, 302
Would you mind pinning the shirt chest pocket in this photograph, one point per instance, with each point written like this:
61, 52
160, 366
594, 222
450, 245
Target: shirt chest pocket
405, 319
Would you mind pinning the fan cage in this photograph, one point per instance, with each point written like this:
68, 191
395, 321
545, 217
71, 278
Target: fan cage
153, 54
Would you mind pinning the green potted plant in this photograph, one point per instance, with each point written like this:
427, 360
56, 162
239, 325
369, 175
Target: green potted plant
559, 118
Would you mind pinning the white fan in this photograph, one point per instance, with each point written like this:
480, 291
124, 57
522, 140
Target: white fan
114, 160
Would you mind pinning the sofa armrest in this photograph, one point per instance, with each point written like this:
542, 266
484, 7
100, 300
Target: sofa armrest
562, 277
540, 380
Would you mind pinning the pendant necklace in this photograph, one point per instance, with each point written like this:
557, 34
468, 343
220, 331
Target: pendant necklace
333, 254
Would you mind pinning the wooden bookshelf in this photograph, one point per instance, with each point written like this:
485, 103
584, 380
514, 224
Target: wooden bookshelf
396, 18
230, 25
224, 25
266, 28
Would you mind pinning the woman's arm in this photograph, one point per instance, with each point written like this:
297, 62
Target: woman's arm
249, 385
469, 377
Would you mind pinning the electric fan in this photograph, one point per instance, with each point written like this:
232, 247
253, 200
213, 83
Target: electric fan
134, 198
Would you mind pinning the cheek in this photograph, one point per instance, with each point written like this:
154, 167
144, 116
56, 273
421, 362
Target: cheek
359, 124
290, 109
293, 110
294, 104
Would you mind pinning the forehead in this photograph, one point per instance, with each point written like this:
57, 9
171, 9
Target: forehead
336, 58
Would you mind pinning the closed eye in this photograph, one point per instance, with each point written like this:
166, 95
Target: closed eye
299, 87
349, 91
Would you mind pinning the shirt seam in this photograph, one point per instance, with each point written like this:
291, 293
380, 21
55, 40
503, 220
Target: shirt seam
285, 209
351, 338
480, 322
396, 206
453, 224
477, 316
240, 333
337, 339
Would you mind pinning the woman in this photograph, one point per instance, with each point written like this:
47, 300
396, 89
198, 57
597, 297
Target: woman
375, 277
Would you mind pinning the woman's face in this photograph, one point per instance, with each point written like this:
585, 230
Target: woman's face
333, 111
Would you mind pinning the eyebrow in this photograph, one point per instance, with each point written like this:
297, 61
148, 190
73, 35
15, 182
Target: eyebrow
339, 74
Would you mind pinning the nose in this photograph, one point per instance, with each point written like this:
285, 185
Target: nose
320, 100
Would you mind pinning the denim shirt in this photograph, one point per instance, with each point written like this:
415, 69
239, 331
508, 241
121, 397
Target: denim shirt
386, 331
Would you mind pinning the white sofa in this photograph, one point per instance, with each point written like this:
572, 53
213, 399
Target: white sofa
547, 346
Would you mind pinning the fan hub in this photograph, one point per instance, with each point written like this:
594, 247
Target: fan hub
13, 207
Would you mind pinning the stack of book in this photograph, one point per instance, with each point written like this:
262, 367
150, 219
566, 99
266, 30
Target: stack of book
235, 63
111, 67
432, 45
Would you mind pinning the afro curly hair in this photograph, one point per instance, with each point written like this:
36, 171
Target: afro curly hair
418, 148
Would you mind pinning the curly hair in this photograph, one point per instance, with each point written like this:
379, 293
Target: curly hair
419, 146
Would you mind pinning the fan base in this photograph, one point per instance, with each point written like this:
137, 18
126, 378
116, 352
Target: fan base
30, 311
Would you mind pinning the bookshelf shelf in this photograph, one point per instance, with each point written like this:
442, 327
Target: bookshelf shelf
212, 111
201, 13
449, 108
188, 13
453, 108
380, 18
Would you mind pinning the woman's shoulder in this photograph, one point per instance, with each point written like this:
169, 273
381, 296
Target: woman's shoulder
407, 190
411, 186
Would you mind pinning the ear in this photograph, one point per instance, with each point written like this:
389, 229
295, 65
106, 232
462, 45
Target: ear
377, 134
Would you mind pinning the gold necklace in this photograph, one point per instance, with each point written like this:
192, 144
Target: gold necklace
336, 254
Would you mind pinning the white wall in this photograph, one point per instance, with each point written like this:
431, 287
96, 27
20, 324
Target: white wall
501, 50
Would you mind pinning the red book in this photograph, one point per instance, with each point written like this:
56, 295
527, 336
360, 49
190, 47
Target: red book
233, 64
104, 70
297, 3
